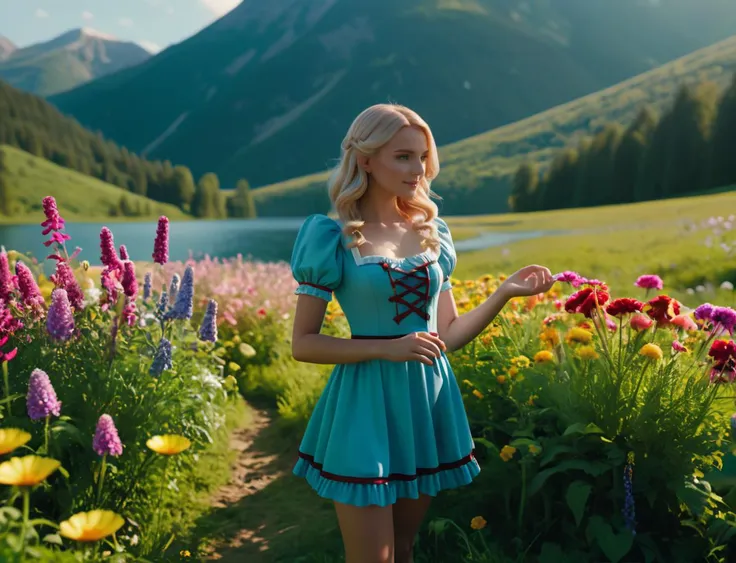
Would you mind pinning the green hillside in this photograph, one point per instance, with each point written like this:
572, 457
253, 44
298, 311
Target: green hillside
80, 197
476, 171
267, 92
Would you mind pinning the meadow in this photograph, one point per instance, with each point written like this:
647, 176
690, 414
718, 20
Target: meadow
600, 410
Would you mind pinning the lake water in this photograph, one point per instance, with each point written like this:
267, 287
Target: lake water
267, 239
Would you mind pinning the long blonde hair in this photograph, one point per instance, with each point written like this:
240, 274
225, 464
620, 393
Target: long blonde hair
372, 129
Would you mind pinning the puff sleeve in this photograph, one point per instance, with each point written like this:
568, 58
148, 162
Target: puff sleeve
447, 258
317, 257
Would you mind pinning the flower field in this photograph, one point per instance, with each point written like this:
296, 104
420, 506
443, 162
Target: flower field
602, 419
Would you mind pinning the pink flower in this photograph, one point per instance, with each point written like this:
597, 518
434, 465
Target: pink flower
106, 440
6, 278
123, 252
677, 346
28, 288
53, 221
649, 281
130, 283
685, 322
161, 243
567, 276
640, 322
64, 279
108, 256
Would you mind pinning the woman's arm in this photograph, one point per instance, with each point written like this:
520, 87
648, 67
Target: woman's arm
457, 330
308, 345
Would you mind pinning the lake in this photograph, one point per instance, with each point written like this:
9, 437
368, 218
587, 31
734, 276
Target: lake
267, 239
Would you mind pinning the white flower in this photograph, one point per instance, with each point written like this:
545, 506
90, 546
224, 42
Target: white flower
727, 285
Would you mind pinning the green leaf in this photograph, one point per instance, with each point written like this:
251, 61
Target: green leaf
551, 553
551, 452
593, 468
614, 546
577, 497
581, 428
483, 442
523, 442
53, 539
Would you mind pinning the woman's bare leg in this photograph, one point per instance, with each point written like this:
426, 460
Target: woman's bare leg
367, 532
408, 515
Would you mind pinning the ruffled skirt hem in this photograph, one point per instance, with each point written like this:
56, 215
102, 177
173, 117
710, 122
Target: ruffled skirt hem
388, 491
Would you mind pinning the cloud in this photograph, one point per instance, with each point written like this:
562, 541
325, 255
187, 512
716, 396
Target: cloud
125, 22
41, 13
149, 46
87, 16
219, 7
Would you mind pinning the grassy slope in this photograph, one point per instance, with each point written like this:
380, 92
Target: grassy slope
616, 243
80, 197
500, 151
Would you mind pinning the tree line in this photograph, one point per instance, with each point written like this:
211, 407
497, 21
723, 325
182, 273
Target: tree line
31, 124
688, 149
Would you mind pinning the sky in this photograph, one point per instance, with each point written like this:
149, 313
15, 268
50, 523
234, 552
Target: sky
155, 24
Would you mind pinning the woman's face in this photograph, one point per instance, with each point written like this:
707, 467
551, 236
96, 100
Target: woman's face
400, 164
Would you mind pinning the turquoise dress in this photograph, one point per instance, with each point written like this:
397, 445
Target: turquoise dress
382, 430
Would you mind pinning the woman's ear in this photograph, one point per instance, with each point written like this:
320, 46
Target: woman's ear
364, 162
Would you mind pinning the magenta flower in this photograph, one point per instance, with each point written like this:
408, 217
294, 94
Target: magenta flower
649, 281
6, 278
108, 256
129, 313
64, 279
703, 312
124, 253
568, 276
60, 321
53, 221
6, 356
723, 318
28, 288
8, 323
41, 400
161, 244
129, 282
106, 440
677, 346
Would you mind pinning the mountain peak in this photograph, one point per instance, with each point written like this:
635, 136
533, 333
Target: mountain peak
93, 33
6, 48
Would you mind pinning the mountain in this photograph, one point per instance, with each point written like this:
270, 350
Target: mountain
475, 175
268, 91
71, 59
6, 48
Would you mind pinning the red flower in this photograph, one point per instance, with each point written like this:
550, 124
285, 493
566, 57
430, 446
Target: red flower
662, 309
584, 301
624, 306
724, 353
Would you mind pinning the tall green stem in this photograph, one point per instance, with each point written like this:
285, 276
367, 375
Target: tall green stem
26, 514
161, 495
101, 479
46, 435
522, 498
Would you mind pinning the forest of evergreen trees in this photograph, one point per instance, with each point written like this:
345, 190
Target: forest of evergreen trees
35, 126
688, 149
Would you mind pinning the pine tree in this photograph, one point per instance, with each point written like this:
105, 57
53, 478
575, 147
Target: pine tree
523, 191
5, 197
183, 187
630, 154
241, 204
559, 181
722, 161
206, 204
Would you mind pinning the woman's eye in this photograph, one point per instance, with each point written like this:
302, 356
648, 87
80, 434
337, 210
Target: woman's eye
403, 156
424, 158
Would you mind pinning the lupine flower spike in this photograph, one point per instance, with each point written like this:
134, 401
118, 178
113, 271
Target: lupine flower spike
208, 330
161, 244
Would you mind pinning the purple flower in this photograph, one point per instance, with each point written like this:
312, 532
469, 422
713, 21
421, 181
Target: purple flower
629, 509
59, 321
184, 305
41, 400
29, 292
6, 278
130, 283
64, 279
724, 318
567, 276
109, 280
162, 359
106, 440
124, 253
147, 286
703, 312
208, 329
649, 281
53, 221
163, 301
174, 287
108, 256
161, 244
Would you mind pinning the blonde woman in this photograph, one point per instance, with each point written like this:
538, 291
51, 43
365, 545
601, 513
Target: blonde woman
389, 431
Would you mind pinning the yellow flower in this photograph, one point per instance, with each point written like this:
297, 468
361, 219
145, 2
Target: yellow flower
230, 383
534, 450
12, 438
168, 444
577, 334
587, 353
513, 371
507, 452
185, 553
544, 356
478, 523
27, 471
531, 399
477, 393
501, 379
91, 526
651, 351
521, 362
550, 336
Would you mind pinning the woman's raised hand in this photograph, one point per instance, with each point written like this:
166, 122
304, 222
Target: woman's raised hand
529, 280
419, 346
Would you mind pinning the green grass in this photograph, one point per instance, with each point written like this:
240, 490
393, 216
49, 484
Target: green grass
498, 153
616, 243
80, 198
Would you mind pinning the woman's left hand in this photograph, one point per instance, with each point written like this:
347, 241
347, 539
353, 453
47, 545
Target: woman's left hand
528, 281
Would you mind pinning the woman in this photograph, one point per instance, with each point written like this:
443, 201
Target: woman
389, 430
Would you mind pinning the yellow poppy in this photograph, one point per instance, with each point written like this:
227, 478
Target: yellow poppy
27, 471
651, 351
587, 353
91, 526
478, 523
12, 438
578, 334
507, 452
168, 444
544, 356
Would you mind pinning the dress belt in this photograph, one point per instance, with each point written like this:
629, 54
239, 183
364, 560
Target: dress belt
378, 337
